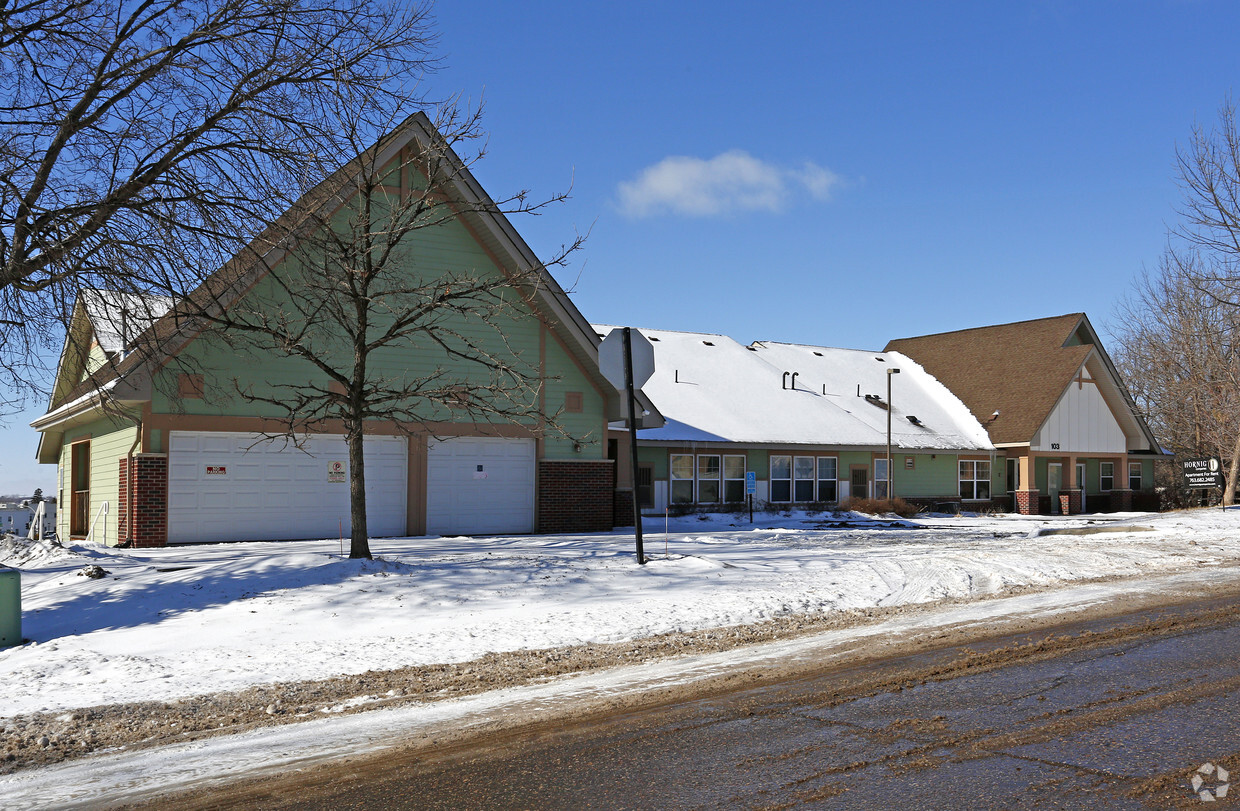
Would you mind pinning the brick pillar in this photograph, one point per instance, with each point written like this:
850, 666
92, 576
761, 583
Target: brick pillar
1070, 502
146, 489
623, 509
1027, 502
576, 495
1121, 501
122, 503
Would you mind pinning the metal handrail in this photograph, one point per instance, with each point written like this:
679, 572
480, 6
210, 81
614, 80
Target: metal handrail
103, 513
36, 523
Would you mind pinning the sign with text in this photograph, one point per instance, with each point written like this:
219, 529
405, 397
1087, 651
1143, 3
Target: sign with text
1202, 473
217, 470
335, 472
751, 482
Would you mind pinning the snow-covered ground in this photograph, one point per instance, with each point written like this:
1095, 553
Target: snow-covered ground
171, 623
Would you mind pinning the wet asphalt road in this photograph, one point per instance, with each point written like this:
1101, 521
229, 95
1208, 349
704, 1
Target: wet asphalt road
1107, 714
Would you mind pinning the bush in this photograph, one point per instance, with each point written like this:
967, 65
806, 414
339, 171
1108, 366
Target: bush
879, 506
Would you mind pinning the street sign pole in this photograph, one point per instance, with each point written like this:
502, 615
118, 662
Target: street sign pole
632, 401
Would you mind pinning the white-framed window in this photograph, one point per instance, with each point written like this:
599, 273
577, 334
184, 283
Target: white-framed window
880, 478
708, 471
1134, 476
1106, 476
828, 479
781, 479
682, 478
974, 480
733, 478
803, 478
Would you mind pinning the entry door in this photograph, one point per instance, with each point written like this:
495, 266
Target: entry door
1080, 482
79, 465
1054, 483
859, 486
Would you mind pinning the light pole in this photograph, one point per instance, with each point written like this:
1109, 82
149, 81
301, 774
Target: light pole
891, 473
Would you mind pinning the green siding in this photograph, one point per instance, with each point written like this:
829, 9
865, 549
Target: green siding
564, 376
110, 441
930, 478
655, 457
513, 339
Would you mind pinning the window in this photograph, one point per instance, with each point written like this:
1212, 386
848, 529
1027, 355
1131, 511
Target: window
781, 478
682, 479
880, 478
733, 478
1106, 476
803, 473
708, 479
1134, 475
974, 480
827, 475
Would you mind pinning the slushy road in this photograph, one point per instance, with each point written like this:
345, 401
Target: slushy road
1114, 713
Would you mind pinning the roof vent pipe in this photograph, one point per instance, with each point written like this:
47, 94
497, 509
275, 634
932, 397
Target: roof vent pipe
784, 385
794, 379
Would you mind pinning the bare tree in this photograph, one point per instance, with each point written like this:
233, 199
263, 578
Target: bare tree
1178, 340
383, 329
136, 134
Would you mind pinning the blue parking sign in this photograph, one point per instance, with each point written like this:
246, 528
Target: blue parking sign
751, 483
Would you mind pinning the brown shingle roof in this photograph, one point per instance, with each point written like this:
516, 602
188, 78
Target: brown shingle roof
1018, 369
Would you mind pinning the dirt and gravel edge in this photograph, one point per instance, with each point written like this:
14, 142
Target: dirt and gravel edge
39, 739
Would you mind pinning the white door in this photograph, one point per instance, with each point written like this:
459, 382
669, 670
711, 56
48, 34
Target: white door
479, 486
1054, 483
222, 489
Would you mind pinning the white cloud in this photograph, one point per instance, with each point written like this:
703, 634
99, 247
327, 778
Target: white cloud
731, 182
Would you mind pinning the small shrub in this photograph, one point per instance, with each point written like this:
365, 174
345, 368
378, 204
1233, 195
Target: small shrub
879, 506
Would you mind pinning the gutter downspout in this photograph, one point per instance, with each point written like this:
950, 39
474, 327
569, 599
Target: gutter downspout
129, 499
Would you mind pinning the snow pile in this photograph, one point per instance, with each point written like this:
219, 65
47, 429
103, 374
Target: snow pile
169, 623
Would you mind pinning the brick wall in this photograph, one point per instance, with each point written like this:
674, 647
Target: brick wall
1028, 502
622, 509
576, 496
144, 493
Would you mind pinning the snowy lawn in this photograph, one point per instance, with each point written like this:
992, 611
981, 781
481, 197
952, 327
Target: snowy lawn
170, 623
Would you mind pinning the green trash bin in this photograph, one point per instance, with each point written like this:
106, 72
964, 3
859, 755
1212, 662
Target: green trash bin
10, 607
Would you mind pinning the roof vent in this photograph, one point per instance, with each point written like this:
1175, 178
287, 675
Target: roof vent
651, 337
914, 420
880, 360
874, 399
708, 343
819, 354
752, 348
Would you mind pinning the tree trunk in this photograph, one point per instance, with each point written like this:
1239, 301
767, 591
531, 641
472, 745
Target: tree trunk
359, 543
1229, 492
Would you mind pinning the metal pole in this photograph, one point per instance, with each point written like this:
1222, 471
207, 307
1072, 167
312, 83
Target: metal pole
632, 401
891, 473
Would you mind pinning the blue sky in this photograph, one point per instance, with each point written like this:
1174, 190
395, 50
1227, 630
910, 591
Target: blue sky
831, 173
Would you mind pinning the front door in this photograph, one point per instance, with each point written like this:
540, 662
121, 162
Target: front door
859, 483
79, 484
1080, 482
1054, 483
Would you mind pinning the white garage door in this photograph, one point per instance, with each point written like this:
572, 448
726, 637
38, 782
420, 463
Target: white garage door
221, 489
479, 486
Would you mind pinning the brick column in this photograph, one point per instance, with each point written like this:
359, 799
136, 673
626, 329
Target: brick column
623, 509
144, 492
1121, 501
576, 495
1070, 502
1027, 502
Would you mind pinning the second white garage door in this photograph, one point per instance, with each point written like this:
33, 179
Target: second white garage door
480, 486
221, 489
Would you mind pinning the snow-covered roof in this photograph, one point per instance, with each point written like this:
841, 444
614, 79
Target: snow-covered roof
117, 318
711, 388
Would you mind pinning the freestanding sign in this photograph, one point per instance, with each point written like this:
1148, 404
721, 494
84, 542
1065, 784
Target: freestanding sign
626, 359
1200, 474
